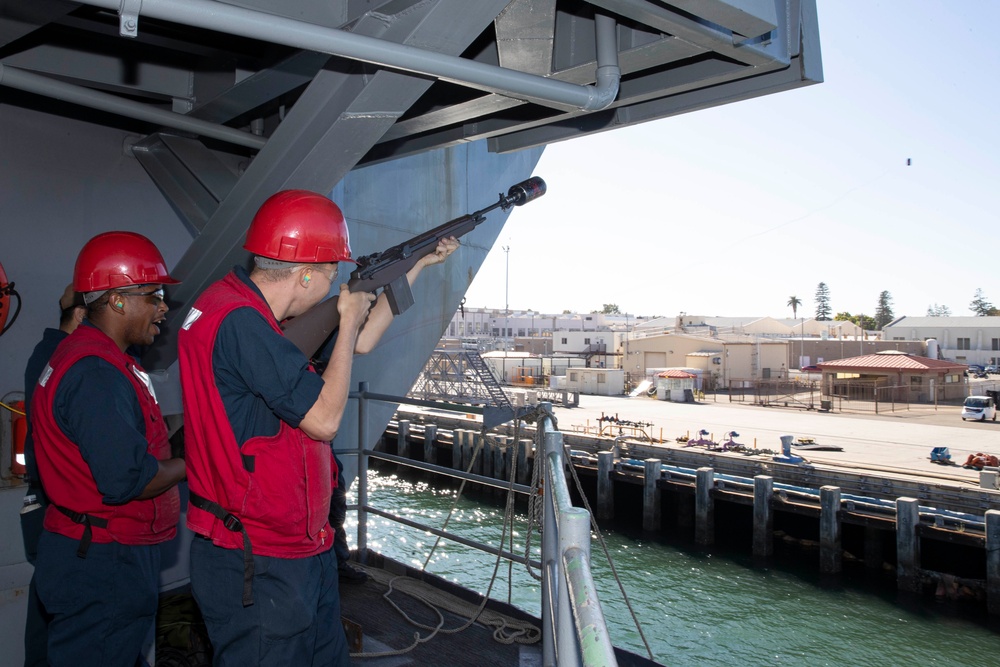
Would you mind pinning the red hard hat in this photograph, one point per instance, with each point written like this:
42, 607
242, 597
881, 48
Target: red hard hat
299, 226
119, 259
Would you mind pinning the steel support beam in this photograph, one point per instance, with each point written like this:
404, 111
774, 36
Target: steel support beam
280, 30
333, 124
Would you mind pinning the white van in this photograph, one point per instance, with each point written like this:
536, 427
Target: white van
979, 408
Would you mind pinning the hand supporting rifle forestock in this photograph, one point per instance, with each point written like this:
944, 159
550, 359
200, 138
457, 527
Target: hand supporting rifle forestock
388, 269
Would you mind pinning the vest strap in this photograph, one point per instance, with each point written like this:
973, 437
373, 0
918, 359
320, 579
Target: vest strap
86, 521
231, 522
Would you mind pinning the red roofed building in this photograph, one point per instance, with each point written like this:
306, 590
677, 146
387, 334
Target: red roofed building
892, 375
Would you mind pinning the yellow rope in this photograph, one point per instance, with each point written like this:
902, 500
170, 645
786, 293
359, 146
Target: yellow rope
14, 410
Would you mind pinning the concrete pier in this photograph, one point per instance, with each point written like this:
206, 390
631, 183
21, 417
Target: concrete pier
605, 489
704, 507
907, 545
763, 516
695, 505
651, 495
830, 549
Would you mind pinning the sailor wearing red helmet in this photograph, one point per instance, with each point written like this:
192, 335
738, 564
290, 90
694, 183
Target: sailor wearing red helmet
104, 461
258, 426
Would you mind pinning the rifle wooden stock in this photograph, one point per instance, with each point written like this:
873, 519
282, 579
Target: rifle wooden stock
312, 328
388, 269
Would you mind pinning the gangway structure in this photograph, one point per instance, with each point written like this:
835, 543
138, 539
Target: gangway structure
459, 376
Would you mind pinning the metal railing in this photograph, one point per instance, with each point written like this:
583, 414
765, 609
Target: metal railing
574, 631
573, 628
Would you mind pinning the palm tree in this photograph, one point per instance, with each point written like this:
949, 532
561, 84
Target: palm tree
794, 302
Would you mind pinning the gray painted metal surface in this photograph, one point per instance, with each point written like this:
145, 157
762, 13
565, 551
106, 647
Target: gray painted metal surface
147, 145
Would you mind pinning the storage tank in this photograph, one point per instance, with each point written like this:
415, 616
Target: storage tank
932, 348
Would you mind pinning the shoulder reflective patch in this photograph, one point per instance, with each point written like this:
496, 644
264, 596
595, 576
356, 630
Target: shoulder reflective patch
46, 374
144, 378
191, 318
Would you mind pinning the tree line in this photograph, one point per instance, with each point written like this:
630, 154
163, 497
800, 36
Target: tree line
882, 314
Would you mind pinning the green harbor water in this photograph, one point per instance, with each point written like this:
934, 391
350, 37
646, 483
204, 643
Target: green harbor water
695, 606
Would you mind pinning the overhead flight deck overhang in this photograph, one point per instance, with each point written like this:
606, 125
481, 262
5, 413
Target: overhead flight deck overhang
646, 36
224, 102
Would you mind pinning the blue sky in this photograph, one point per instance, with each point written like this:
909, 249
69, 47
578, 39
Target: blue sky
730, 211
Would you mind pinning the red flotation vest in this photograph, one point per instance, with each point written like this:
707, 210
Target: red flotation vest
273, 490
77, 508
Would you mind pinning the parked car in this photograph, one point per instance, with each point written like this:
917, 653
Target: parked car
979, 408
975, 368
810, 369
992, 370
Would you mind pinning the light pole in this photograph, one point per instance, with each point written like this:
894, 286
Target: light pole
802, 342
861, 336
506, 302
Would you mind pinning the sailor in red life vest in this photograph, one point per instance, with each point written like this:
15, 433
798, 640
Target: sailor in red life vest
104, 462
258, 426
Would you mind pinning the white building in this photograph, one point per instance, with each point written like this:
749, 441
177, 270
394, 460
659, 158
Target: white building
964, 340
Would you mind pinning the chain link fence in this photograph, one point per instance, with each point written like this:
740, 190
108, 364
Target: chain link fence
874, 396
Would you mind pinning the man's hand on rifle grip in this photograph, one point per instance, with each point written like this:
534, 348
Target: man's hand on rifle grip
353, 307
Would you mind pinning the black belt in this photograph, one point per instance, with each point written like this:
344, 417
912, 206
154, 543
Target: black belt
233, 523
86, 521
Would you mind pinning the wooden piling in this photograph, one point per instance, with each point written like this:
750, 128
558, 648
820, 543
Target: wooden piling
763, 516
993, 561
486, 457
430, 436
499, 464
907, 545
704, 507
467, 448
403, 438
476, 450
651, 495
524, 461
605, 487
830, 549
457, 442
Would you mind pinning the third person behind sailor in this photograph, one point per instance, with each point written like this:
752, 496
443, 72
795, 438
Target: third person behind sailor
258, 426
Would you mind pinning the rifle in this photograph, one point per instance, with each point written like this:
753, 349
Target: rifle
387, 270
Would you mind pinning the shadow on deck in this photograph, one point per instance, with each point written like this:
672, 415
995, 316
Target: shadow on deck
432, 601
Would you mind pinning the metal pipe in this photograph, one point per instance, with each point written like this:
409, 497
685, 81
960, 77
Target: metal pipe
303, 35
362, 473
13, 77
550, 549
595, 647
571, 520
